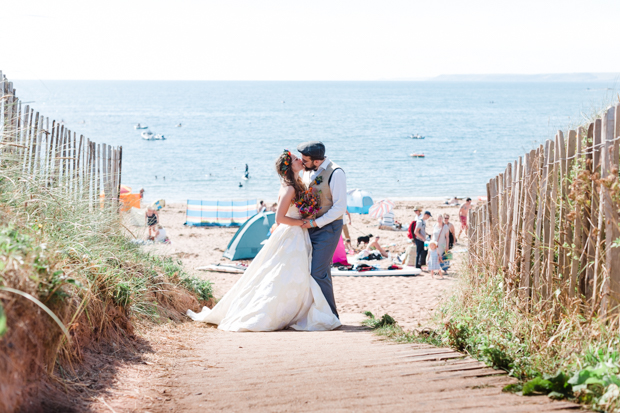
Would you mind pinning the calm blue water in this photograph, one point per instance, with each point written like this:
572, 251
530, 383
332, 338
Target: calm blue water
472, 130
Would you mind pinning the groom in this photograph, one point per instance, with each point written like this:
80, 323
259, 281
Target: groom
328, 178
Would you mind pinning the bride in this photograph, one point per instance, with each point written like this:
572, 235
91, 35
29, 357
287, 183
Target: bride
277, 291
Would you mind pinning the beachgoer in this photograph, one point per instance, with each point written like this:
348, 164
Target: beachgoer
434, 259
348, 247
160, 234
141, 193
261, 207
152, 219
463, 212
452, 234
454, 202
420, 238
374, 245
345, 228
416, 215
387, 221
440, 235
274, 207
410, 256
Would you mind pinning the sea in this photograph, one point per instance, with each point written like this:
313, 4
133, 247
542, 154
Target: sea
471, 130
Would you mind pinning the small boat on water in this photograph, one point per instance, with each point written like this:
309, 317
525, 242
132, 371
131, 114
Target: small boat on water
417, 155
150, 136
417, 136
179, 125
138, 126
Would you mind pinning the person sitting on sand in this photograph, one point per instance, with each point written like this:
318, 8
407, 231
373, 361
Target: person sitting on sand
160, 235
274, 207
387, 221
348, 247
410, 256
453, 202
152, 219
374, 245
261, 207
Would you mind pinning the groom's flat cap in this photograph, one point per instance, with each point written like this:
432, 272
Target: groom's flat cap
314, 149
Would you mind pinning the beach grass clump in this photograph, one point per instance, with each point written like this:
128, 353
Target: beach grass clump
567, 356
72, 281
552, 349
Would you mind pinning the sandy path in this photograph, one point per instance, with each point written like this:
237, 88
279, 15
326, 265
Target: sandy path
195, 367
199, 368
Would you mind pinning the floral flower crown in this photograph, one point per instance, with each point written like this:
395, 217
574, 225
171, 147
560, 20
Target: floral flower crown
288, 160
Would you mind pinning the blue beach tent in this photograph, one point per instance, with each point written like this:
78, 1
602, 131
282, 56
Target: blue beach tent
247, 240
358, 201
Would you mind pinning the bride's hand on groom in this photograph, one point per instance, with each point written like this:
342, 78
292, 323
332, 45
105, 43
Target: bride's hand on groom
305, 224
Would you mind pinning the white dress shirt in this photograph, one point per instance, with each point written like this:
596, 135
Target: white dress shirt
338, 187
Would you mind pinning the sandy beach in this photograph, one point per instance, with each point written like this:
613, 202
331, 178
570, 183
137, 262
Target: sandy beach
410, 300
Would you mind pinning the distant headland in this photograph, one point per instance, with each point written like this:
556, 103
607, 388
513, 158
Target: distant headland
549, 77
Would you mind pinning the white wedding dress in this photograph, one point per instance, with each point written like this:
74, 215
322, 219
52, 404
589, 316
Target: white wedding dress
276, 291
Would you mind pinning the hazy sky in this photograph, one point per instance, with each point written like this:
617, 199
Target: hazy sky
304, 40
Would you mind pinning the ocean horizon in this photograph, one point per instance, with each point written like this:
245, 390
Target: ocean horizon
471, 130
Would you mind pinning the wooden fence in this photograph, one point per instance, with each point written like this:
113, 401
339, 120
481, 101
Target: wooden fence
52, 152
551, 219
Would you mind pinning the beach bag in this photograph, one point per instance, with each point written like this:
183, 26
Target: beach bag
340, 255
446, 262
411, 229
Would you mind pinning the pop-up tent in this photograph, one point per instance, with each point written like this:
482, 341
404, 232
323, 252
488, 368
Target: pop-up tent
358, 201
219, 213
247, 241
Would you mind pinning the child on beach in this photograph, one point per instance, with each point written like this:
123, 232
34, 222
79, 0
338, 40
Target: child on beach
152, 219
160, 235
434, 260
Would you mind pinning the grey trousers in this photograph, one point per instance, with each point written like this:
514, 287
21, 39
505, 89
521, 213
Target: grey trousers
324, 242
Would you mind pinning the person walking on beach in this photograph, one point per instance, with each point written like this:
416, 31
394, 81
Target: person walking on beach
330, 182
435, 259
463, 212
151, 219
345, 228
440, 235
452, 234
420, 238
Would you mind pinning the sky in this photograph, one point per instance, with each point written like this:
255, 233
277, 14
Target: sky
304, 40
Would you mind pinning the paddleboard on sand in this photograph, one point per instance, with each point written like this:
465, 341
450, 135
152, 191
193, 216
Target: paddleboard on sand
234, 269
408, 271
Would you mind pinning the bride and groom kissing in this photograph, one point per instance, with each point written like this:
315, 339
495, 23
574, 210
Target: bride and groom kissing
289, 283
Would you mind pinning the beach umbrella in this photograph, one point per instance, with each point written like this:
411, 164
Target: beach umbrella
358, 201
380, 208
125, 189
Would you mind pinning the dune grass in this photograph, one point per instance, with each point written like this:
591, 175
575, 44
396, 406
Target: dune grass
571, 358
77, 263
